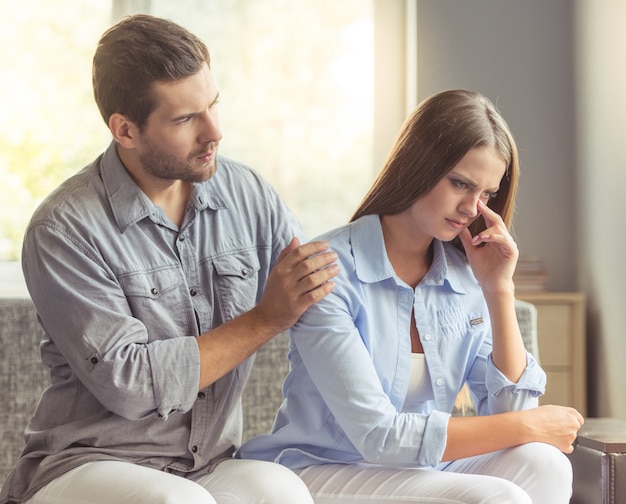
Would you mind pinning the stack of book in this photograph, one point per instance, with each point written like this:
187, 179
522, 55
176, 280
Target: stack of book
530, 274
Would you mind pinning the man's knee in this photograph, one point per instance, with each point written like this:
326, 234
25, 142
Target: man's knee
258, 482
184, 494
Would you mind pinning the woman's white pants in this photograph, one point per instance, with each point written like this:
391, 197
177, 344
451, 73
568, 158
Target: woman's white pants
533, 473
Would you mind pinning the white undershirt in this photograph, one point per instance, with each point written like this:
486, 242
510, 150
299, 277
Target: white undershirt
420, 388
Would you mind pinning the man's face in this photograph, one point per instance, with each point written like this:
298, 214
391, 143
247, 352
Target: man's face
181, 136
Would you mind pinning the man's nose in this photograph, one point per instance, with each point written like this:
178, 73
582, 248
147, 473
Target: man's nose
209, 128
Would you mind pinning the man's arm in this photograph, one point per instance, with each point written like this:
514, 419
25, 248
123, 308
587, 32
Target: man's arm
301, 277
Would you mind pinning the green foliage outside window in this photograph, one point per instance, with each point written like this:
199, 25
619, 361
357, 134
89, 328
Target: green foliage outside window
296, 98
49, 126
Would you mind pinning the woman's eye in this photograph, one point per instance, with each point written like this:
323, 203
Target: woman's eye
459, 184
489, 195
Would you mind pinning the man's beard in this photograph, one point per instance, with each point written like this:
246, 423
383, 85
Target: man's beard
160, 163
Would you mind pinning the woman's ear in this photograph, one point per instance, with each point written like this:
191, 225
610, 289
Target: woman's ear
124, 131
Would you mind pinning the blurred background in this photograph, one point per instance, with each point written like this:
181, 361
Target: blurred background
313, 93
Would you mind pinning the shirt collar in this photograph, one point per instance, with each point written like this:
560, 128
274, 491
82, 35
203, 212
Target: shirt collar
130, 204
372, 264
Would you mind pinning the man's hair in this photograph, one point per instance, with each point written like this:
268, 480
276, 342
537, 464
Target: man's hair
135, 53
439, 132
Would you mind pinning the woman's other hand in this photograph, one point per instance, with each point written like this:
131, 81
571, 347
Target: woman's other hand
556, 425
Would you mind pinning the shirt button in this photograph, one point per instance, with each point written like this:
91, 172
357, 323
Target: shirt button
193, 292
194, 449
181, 238
154, 291
201, 395
427, 337
439, 381
94, 360
244, 272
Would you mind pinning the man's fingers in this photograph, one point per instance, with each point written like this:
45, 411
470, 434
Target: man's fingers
311, 248
317, 278
294, 253
293, 245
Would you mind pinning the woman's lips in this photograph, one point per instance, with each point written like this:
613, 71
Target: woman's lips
459, 225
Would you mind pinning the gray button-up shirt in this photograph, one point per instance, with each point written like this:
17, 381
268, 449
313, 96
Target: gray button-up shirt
120, 291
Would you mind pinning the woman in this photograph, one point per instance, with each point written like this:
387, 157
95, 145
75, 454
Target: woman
423, 305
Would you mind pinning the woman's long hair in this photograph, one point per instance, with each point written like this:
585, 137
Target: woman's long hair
439, 132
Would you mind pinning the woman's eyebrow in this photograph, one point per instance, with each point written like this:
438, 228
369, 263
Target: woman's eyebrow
471, 182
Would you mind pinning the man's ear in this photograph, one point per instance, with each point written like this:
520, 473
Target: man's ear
124, 131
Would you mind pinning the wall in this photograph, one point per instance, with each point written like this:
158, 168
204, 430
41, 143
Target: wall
519, 54
601, 105
557, 71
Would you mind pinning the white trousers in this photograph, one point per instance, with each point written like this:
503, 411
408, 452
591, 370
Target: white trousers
232, 482
533, 473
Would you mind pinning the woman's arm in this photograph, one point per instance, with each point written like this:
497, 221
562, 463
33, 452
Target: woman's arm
492, 255
476, 435
508, 353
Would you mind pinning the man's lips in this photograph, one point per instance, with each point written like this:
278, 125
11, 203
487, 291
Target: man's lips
206, 156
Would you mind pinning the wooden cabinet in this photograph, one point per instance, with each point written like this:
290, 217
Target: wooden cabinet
561, 330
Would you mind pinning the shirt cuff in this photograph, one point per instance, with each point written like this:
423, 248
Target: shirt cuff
175, 392
434, 440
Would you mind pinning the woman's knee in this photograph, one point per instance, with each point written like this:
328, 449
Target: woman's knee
547, 461
544, 472
500, 491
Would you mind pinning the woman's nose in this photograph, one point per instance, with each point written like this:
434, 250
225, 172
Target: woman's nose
469, 206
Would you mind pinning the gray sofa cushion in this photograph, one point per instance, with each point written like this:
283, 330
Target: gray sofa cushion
22, 375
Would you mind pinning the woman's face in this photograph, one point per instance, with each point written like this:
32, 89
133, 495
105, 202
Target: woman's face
452, 204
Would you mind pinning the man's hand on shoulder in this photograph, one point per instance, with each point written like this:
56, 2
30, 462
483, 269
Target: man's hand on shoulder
301, 277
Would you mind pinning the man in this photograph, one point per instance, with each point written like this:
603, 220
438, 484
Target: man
157, 271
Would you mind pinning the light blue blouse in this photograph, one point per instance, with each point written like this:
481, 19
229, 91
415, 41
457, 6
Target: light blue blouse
350, 361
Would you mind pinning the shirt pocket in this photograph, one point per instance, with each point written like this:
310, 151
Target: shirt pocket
237, 278
156, 298
455, 323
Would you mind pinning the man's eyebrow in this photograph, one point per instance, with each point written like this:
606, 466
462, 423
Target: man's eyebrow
184, 116
189, 115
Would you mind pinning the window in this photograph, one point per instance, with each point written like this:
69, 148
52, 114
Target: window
297, 83
49, 125
296, 95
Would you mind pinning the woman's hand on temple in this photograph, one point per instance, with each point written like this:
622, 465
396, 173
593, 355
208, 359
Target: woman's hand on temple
492, 253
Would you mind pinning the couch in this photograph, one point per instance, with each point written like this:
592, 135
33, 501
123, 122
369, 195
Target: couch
23, 377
